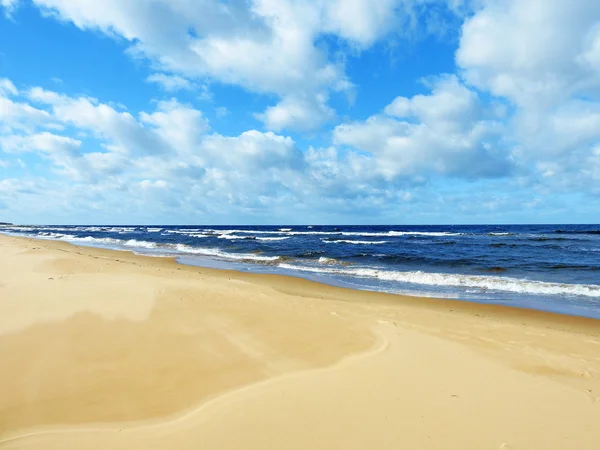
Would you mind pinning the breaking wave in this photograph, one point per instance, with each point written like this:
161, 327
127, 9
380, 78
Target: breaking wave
493, 283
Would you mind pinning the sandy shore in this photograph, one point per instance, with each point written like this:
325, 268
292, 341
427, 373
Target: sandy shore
104, 349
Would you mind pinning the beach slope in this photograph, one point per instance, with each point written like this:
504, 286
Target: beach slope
106, 349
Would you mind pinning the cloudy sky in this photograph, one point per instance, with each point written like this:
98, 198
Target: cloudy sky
299, 111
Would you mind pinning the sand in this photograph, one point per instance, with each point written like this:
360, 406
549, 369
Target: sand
105, 349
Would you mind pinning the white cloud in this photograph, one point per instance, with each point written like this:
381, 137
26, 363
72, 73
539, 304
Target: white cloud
7, 87
400, 107
170, 156
9, 6
360, 21
120, 129
543, 56
170, 83
221, 112
265, 46
536, 53
445, 132
18, 115
301, 113
45, 142
177, 126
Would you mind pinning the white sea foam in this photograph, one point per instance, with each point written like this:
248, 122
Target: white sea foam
344, 241
371, 234
140, 244
119, 230
234, 237
220, 254
154, 230
325, 260
186, 231
52, 235
493, 283
288, 232
282, 238
95, 241
234, 231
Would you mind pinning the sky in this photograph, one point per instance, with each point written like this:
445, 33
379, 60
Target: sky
299, 111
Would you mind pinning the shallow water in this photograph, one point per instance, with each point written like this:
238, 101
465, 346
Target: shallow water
547, 267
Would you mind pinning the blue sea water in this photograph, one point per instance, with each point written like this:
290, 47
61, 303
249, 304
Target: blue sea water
547, 267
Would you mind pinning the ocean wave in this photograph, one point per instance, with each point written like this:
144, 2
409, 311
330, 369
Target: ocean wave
154, 230
333, 261
184, 231
235, 237
345, 241
53, 235
236, 231
94, 241
500, 234
578, 231
544, 238
388, 233
282, 238
287, 231
482, 282
325, 260
221, 254
119, 230
140, 244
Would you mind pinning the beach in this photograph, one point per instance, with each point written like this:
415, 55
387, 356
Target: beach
108, 349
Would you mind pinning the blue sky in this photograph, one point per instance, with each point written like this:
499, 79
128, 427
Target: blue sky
286, 111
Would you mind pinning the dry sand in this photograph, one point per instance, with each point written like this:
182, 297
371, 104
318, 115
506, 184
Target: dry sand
108, 350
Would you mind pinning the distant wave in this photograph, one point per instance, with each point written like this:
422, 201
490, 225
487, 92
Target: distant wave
167, 249
344, 241
495, 283
282, 238
221, 254
544, 238
577, 231
235, 237
184, 231
290, 232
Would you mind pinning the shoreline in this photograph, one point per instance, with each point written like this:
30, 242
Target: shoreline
148, 345
306, 277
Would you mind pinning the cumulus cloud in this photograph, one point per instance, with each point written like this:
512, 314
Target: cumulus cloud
170, 83
9, 6
542, 57
265, 46
513, 49
16, 114
524, 102
301, 113
173, 157
446, 132
7, 87
170, 152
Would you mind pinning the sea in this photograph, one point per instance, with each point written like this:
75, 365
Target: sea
546, 267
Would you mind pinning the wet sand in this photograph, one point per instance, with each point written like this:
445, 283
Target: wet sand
106, 349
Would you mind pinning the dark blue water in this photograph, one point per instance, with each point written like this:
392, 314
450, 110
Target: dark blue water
547, 267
